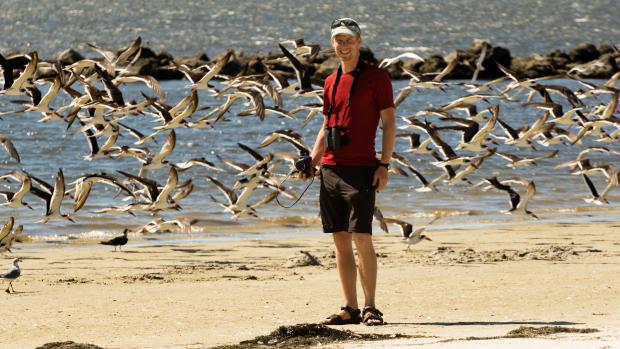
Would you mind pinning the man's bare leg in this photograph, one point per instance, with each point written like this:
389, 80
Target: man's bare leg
367, 266
345, 262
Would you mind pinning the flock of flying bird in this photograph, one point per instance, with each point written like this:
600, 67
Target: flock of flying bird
98, 110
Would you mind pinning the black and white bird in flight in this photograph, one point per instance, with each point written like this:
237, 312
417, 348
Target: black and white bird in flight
518, 203
53, 197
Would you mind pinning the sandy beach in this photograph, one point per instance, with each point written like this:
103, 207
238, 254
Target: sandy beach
464, 283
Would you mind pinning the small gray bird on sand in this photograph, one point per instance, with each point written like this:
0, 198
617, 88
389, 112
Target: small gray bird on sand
12, 274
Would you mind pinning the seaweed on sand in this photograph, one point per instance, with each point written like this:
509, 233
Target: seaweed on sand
306, 335
528, 332
532, 332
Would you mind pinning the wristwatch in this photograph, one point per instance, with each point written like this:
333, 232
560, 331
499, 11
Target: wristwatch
386, 165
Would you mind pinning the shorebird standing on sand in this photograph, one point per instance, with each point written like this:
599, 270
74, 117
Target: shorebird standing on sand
117, 241
13, 273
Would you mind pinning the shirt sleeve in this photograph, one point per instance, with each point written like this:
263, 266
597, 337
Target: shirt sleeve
326, 96
383, 91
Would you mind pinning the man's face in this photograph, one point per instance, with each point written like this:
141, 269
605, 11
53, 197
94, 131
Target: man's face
347, 47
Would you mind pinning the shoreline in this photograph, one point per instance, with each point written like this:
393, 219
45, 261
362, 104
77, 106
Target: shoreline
265, 230
479, 283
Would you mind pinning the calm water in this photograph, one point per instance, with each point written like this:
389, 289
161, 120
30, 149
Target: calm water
45, 147
185, 27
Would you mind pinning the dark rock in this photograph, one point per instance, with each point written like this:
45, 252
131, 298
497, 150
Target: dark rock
584, 52
612, 60
559, 59
604, 48
327, 67
147, 52
45, 72
144, 66
465, 67
193, 61
468, 60
368, 56
395, 70
462, 70
167, 73
236, 64
432, 64
68, 57
412, 65
161, 65
256, 66
533, 67
234, 67
498, 55
605, 67
165, 58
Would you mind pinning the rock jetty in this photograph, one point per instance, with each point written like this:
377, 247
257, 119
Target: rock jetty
586, 60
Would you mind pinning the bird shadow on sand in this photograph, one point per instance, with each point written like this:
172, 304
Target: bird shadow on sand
206, 252
286, 245
23, 292
140, 252
10, 257
489, 323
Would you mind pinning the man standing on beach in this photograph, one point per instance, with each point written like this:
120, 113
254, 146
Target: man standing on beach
355, 98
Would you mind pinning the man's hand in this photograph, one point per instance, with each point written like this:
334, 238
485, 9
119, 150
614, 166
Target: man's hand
314, 172
380, 179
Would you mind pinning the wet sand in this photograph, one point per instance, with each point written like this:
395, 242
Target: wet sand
464, 283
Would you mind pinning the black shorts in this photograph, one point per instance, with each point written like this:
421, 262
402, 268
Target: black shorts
347, 198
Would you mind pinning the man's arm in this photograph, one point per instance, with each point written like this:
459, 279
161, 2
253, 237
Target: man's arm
319, 146
388, 121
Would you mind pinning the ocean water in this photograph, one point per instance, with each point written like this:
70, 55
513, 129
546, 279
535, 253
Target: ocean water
389, 27
525, 27
46, 147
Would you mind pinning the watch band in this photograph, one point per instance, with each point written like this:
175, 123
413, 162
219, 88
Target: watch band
386, 165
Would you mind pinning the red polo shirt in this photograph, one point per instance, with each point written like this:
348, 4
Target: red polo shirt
372, 93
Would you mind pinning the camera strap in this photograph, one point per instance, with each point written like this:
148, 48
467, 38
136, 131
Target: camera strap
356, 74
300, 195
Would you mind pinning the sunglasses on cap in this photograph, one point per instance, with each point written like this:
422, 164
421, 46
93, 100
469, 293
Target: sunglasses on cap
349, 23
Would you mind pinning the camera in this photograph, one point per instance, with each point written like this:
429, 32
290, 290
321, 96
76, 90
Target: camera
304, 165
336, 137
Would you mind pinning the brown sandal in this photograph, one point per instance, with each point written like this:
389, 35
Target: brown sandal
371, 316
335, 319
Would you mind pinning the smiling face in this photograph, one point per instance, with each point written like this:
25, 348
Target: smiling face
347, 47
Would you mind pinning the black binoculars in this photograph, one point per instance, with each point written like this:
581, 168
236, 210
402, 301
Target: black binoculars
336, 137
